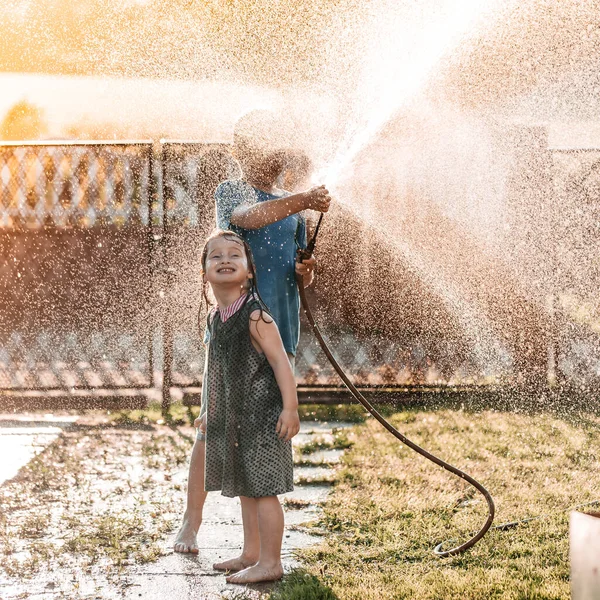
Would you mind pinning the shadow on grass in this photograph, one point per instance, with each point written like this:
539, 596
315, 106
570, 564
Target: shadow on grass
298, 584
301, 585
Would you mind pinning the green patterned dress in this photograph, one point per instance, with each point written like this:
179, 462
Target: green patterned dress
244, 456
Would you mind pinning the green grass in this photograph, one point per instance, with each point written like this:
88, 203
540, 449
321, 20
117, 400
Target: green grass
340, 441
353, 413
178, 415
390, 507
300, 585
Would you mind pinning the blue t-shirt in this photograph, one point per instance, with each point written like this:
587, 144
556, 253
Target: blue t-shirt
274, 249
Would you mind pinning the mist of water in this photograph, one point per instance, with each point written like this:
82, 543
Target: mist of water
467, 205
407, 44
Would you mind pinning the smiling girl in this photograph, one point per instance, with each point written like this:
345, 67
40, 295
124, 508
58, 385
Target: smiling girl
250, 407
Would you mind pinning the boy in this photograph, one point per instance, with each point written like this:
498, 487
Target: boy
268, 219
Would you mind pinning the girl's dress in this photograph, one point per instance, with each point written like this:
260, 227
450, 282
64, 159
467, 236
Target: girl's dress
244, 456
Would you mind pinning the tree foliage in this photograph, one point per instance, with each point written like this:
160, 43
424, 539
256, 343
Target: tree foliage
23, 121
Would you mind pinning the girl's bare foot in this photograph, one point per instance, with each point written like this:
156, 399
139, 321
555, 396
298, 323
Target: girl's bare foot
236, 564
186, 542
256, 574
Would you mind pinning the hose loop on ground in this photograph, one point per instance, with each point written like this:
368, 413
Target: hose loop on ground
438, 461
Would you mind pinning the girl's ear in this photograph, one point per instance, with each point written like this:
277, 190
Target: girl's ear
203, 275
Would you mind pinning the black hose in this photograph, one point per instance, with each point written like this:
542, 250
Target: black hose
438, 461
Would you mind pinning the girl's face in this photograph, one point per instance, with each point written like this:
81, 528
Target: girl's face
226, 263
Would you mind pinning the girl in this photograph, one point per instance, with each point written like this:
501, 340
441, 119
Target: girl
250, 407
267, 218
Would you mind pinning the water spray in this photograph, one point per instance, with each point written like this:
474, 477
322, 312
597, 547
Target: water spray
306, 253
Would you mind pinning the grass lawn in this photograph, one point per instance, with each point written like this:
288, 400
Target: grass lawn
390, 507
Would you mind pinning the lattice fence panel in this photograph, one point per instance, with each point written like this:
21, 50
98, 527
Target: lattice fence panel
74, 185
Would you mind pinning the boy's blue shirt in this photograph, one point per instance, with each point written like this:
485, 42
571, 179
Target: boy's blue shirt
274, 249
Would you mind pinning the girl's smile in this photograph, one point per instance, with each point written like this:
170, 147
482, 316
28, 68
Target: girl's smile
226, 262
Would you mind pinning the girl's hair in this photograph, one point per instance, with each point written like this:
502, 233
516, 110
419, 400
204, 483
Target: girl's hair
253, 287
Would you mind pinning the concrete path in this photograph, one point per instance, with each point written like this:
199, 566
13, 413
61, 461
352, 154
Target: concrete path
23, 436
180, 576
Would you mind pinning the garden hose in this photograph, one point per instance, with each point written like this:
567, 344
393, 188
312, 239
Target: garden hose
303, 254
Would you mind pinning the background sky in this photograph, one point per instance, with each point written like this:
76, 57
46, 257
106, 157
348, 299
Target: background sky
537, 61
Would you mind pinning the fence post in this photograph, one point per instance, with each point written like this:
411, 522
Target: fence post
167, 347
166, 284
152, 199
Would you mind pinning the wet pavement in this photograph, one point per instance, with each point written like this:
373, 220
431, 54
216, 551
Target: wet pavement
23, 436
181, 576
125, 471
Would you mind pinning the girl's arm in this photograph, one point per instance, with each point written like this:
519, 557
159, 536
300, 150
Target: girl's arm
265, 338
258, 215
200, 421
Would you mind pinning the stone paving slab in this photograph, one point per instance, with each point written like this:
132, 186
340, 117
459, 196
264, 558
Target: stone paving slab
327, 457
307, 474
182, 576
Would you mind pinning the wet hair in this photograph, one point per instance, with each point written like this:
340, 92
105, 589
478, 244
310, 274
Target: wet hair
253, 287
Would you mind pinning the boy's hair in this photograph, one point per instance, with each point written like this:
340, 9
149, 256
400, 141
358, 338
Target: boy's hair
234, 237
260, 129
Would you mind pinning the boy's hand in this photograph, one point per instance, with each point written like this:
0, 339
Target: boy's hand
306, 268
288, 425
200, 423
317, 198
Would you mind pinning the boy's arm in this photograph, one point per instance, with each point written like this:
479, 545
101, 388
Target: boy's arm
266, 336
258, 215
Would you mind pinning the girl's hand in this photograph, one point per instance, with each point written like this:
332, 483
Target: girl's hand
288, 424
200, 423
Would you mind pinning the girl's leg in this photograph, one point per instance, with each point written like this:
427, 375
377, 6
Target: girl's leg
192, 518
251, 550
270, 527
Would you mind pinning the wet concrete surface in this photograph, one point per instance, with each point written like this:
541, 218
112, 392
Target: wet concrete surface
182, 576
172, 576
23, 436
